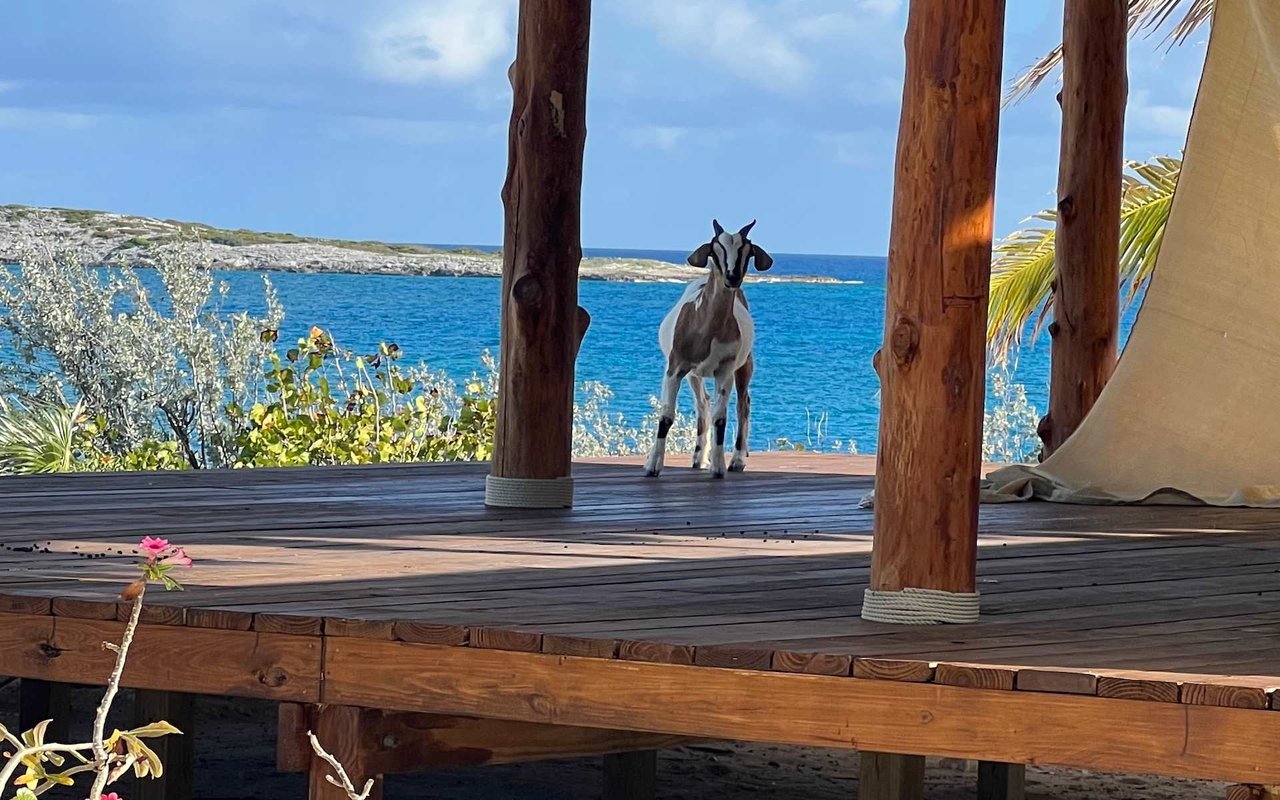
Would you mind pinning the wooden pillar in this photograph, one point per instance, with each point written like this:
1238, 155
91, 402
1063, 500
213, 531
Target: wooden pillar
631, 776
889, 776
338, 729
999, 781
541, 252
932, 367
177, 753
1086, 305
41, 700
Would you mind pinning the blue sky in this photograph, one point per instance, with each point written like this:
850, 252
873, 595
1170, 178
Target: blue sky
386, 119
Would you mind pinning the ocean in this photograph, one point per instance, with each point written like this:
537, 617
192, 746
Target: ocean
814, 383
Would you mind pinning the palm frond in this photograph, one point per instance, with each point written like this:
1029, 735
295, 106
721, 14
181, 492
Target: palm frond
1145, 16
37, 439
1023, 267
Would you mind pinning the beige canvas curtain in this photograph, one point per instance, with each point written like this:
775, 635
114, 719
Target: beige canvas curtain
1192, 414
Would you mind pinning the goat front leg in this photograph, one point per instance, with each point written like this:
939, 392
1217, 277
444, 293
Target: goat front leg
703, 403
742, 379
719, 421
666, 418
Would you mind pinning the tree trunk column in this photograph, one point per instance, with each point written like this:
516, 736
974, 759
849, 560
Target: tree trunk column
932, 367
1086, 305
541, 251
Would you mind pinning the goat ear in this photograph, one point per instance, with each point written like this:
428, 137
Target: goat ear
698, 258
762, 259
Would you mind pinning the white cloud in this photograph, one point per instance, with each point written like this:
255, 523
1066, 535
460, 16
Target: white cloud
1162, 119
9, 86
448, 41
32, 119
731, 33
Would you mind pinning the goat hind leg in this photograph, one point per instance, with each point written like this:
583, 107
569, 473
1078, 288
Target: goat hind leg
699, 387
670, 391
742, 377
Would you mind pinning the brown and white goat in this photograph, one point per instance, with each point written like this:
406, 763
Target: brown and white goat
709, 334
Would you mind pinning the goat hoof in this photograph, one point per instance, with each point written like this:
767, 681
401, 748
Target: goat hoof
737, 466
652, 473
717, 474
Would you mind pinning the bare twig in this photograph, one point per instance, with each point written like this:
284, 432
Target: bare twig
342, 781
102, 759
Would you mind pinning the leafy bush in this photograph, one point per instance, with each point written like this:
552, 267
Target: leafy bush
151, 370
323, 405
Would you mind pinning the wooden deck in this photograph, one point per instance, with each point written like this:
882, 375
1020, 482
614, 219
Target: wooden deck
1125, 639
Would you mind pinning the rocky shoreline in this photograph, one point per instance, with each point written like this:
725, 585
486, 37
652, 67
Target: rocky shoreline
105, 237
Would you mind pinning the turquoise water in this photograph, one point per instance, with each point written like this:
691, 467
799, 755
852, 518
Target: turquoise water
814, 342
813, 384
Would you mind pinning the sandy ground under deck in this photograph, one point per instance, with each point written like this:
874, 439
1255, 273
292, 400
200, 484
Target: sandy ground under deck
236, 761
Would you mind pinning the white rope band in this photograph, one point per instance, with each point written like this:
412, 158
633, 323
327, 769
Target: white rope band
919, 607
528, 492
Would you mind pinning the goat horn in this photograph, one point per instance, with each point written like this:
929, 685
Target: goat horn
715, 226
747, 229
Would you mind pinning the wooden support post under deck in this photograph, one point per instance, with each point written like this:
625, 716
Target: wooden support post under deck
44, 700
890, 776
932, 365
1086, 306
177, 753
631, 776
338, 729
1000, 781
541, 251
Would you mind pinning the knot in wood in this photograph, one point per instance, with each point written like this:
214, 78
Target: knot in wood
955, 381
1054, 329
904, 342
390, 741
1067, 208
527, 292
49, 651
273, 677
557, 113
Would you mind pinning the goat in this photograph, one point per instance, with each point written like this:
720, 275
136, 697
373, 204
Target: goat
709, 334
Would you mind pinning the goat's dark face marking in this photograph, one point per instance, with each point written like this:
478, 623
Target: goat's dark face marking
729, 253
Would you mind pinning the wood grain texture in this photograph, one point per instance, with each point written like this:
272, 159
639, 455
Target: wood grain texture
733, 657
338, 729
579, 646
1247, 792
164, 657
500, 639
400, 742
1208, 742
890, 776
1148, 689
430, 633
1205, 694
812, 663
542, 242
657, 652
976, 677
1086, 307
1060, 681
887, 669
926, 510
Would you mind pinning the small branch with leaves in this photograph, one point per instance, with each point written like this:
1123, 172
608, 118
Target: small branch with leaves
49, 764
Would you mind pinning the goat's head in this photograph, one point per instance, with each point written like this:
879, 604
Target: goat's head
729, 254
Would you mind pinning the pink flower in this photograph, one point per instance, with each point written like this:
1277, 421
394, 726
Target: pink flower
153, 547
179, 558
112, 796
